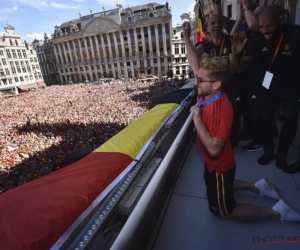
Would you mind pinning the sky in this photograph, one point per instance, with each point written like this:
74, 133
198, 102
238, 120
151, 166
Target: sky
32, 18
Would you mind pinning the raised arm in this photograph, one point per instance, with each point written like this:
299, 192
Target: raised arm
240, 62
190, 50
217, 7
236, 26
251, 20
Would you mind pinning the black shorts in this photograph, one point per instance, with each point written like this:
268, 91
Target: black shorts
219, 191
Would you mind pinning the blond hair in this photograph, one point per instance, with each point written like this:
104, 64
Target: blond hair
218, 68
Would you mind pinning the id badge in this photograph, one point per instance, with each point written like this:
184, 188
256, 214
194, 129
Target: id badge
267, 80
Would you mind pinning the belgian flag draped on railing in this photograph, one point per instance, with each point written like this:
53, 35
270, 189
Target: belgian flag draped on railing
201, 23
57, 203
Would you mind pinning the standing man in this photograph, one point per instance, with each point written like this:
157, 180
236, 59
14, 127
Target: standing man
277, 48
212, 118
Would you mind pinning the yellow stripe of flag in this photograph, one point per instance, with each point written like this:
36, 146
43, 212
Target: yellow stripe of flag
132, 139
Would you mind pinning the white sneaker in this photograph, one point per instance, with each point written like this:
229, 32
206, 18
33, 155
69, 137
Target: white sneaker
268, 189
286, 212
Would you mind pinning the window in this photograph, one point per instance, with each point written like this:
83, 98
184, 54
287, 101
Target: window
182, 50
21, 79
104, 38
31, 77
176, 49
111, 37
14, 53
19, 53
16, 43
7, 72
1, 53
118, 36
145, 32
16, 79
4, 62
229, 10
26, 78
124, 35
99, 39
8, 53
24, 53
10, 81
10, 41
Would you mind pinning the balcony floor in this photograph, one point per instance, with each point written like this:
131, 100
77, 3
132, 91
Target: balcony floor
188, 224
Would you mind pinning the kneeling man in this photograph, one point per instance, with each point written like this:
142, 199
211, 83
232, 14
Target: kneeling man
213, 117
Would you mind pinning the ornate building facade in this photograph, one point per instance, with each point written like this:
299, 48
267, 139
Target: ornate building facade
45, 53
120, 43
19, 66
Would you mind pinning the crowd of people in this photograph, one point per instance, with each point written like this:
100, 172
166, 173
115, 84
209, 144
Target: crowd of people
39, 128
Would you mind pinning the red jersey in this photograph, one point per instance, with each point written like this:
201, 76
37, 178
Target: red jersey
217, 118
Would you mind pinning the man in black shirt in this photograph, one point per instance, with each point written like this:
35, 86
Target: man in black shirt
220, 46
277, 48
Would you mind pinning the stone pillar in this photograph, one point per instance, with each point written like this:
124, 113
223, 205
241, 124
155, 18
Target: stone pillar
165, 47
117, 55
157, 50
87, 59
150, 48
125, 70
110, 57
144, 49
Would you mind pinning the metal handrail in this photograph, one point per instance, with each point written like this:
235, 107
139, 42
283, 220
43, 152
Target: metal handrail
124, 239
